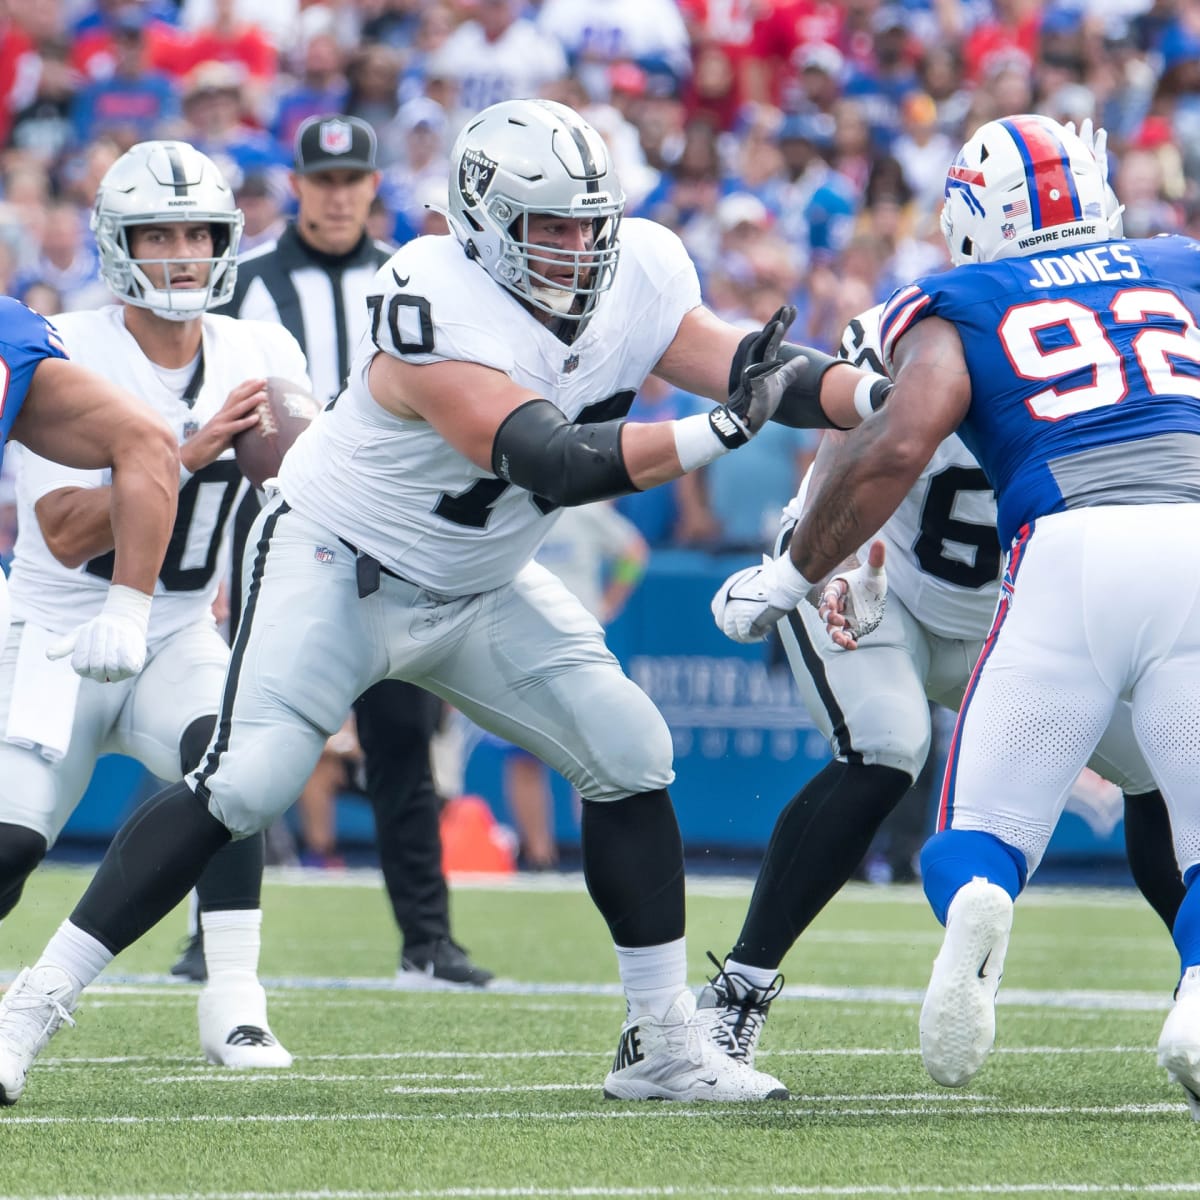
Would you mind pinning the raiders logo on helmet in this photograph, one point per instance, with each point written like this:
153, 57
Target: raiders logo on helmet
475, 173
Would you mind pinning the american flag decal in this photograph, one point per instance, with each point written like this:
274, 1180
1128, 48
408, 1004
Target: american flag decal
1018, 208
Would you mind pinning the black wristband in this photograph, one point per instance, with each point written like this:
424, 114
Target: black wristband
727, 427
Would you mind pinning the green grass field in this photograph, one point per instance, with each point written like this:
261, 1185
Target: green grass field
498, 1093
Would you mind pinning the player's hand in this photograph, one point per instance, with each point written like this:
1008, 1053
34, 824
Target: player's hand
751, 602
852, 603
763, 381
216, 435
1096, 140
112, 645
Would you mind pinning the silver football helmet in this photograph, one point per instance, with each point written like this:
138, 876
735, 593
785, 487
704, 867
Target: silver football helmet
523, 157
164, 183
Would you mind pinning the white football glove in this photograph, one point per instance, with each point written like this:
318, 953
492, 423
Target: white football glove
749, 604
112, 645
853, 602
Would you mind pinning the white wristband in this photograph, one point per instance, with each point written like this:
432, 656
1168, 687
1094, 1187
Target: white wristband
128, 602
862, 395
785, 586
696, 442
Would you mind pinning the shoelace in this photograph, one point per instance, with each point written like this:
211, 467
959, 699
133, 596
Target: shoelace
742, 1011
17, 1019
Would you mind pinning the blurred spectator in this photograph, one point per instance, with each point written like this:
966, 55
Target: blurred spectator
650, 33
95, 49
18, 57
940, 73
67, 261
780, 32
421, 124
880, 88
323, 87
43, 127
374, 77
1143, 191
41, 297
132, 101
923, 151
277, 19
391, 22
496, 54
261, 197
214, 104
26, 194
229, 38
853, 148
435, 26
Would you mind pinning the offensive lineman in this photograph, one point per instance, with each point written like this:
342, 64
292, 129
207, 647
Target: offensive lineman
167, 230
943, 576
1068, 359
491, 390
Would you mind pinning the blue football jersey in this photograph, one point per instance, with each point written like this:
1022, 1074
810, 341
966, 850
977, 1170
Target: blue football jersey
1085, 372
25, 339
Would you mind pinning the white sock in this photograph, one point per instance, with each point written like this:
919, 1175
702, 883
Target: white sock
77, 953
193, 913
758, 977
232, 938
652, 976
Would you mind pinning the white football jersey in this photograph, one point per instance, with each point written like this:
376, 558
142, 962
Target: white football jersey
943, 556
47, 593
395, 488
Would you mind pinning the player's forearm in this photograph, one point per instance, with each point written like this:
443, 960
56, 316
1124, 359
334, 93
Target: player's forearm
864, 482
77, 526
145, 493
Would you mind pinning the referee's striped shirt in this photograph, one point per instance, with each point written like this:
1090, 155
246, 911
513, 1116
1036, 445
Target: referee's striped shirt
321, 299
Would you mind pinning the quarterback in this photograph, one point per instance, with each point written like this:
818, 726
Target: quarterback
490, 390
1067, 359
167, 230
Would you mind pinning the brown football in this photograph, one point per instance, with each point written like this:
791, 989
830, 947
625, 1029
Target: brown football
282, 417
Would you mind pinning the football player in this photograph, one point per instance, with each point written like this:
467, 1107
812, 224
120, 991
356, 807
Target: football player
64, 411
167, 231
491, 390
1067, 358
943, 579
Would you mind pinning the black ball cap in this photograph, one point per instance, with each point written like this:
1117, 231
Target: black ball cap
334, 142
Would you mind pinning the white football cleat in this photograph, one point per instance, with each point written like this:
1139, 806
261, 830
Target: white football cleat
672, 1058
36, 1004
958, 1017
234, 1030
1179, 1042
733, 1012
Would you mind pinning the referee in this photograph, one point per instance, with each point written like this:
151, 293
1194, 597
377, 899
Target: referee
314, 280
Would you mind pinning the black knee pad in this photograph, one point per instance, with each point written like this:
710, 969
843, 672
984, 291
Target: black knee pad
21, 850
194, 742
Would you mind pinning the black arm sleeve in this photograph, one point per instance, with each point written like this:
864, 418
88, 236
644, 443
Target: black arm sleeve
538, 449
800, 407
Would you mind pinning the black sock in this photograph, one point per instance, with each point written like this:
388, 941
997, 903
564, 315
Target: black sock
233, 876
152, 863
1151, 852
633, 865
21, 850
818, 840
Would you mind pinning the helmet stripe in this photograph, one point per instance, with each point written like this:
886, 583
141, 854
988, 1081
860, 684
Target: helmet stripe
590, 170
178, 178
1052, 193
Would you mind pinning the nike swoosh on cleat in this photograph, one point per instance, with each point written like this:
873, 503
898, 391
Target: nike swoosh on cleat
708, 1082
983, 965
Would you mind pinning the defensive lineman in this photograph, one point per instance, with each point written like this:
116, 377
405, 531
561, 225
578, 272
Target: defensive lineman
943, 578
167, 231
1069, 361
400, 545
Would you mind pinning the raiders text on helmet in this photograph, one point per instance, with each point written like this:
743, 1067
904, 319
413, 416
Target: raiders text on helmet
522, 157
162, 183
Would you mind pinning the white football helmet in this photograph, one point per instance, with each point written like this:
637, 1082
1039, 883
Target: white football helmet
163, 183
1022, 185
535, 156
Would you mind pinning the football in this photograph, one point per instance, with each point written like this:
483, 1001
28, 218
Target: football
282, 417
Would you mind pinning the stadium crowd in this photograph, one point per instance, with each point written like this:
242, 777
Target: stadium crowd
797, 146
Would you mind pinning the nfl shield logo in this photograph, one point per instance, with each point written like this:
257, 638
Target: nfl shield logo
336, 137
1008, 231
323, 554
570, 363
190, 427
